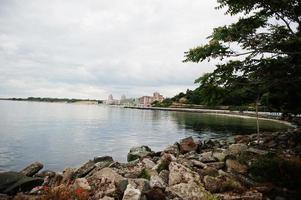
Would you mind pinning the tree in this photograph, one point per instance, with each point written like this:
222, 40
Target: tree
262, 51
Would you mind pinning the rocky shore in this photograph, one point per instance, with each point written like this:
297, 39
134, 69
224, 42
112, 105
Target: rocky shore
239, 168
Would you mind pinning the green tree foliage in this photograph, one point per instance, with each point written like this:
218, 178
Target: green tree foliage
260, 56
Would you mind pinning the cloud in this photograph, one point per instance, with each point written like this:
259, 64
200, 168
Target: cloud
90, 49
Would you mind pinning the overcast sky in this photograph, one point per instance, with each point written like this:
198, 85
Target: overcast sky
93, 48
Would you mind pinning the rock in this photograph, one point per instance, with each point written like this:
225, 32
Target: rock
32, 169
56, 180
235, 166
105, 182
139, 152
68, 175
81, 183
216, 165
209, 171
164, 161
148, 163
13, 182
141, 184
155, 194
198, 163
257, 151
249, 195
189, 190
157, 182
187, 145
4, 197
164, 175
220, 156
173, 149
212, 184
84, 169
103, 159
131, 193
236, 149
180, 174
45, 173
207, 157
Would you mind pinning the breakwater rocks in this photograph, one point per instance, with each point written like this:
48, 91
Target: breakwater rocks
240, 168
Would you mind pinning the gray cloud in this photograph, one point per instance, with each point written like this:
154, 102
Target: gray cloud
89, 49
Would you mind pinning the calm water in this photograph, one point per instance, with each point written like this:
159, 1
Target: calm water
63, 135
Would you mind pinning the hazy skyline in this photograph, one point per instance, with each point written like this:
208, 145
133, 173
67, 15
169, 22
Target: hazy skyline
90, 49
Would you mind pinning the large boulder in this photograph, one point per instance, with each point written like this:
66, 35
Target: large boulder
105, 182
189, 190
139, 152
32, 169
187, 144
13, 182
180, 174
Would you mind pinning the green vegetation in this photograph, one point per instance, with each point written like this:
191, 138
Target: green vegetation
262, 58
272, 168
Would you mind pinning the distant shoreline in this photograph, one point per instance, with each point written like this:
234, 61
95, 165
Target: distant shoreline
262, 115
55, 100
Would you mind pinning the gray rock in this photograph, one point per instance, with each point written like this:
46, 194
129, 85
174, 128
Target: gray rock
164, 175
157, 182
187, 144
180, 174
139, 152
189, 190
131, 193
84, 169
13, 182
207, 157
216, 165
32, 169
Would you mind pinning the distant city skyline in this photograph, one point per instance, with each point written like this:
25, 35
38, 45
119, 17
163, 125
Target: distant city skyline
90, 49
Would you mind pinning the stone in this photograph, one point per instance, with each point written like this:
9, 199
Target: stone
220, 156
68, 175
257, 151
187, 144
198, 163
148, 163
139, 152
189, 190
212, 184
235, 166
45, 173
236, 149
157, 182
131, 193
173, 149
209, 171
105, 182
103, 159
84, 169
180, 174
207, 157
13, 182
249, 195
141, 184
164, 175
81, 183
164, 161
216, 165
32, 169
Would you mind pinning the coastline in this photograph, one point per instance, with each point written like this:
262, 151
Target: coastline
219, 112
189, 169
